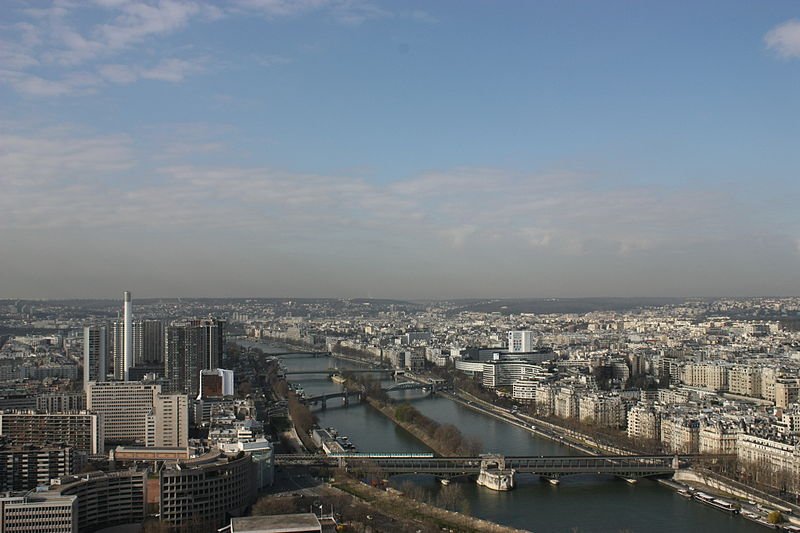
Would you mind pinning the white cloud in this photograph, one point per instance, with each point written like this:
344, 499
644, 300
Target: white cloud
173, 70
32, 85
785, 39
55, 51
63, 177
537, 237
458, 236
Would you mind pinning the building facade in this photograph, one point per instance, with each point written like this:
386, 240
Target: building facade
206, 490
82, 431
26, 467
106, 499
520, 341
126, 407
38, 512
95, 354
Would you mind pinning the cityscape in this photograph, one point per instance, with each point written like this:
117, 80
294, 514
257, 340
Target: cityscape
262, 415
306, 266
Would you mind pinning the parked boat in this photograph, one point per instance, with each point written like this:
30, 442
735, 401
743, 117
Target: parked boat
722, 505
754, 517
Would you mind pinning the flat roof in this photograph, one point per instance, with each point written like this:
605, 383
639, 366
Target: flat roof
284, 523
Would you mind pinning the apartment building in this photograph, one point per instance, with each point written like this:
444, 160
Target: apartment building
718, 438
38, 512
106, 499
643, 422
25, 467
83, 431
212, 486
602, 410
125, 406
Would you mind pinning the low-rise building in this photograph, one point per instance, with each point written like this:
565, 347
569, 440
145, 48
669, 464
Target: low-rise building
37, 512
26, 467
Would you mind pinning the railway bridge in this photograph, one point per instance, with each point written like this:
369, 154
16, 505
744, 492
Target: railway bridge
629, 467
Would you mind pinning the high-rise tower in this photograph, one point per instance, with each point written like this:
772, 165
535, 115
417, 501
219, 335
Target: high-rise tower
95, 354
128, 337
192, 346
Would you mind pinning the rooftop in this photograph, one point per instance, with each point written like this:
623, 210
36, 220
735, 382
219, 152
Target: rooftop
283, 523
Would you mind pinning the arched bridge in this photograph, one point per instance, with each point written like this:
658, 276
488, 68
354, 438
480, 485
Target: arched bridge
322, 399
347, 395
554, 467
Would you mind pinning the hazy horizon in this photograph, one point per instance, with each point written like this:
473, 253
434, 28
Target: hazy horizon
369, 149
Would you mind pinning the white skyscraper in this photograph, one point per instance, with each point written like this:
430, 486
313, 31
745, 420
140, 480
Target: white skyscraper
128, 336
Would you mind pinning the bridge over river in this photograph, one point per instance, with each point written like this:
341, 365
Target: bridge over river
348, 395
629, 467
334, 371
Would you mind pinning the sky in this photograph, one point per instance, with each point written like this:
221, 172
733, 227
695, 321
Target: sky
367, 148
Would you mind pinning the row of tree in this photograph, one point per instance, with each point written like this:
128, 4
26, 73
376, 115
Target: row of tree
447, 438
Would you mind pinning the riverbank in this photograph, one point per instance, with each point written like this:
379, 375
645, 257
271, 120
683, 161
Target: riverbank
532, 505
698, 479
533, 425
405, 509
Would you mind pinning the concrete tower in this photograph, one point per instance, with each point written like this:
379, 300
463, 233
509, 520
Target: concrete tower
127, 349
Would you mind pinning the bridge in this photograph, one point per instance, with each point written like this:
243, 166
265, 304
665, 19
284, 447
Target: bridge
323, 398
346, 395
298, 355
553, 467
333, 371
410, 385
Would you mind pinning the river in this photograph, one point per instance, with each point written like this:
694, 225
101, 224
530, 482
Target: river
579, 504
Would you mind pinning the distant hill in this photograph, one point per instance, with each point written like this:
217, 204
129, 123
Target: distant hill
560, 305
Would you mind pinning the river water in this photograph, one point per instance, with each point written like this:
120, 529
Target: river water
579, 504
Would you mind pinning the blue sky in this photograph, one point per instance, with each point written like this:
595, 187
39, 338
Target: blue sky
399, 149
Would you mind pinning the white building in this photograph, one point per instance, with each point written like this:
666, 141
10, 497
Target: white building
644, 423
169, 424
504, 373
718, 438
520, 341
769, 461
137, 412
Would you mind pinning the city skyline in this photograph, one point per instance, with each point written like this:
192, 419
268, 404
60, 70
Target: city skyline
368, 149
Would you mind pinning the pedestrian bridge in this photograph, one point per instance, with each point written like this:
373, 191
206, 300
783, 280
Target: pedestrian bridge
553, 467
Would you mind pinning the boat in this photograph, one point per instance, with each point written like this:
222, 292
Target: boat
753, 517
685, 493
444, 481
710, 500
338, 378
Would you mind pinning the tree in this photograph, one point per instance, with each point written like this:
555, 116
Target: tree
775, 517
450, 497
